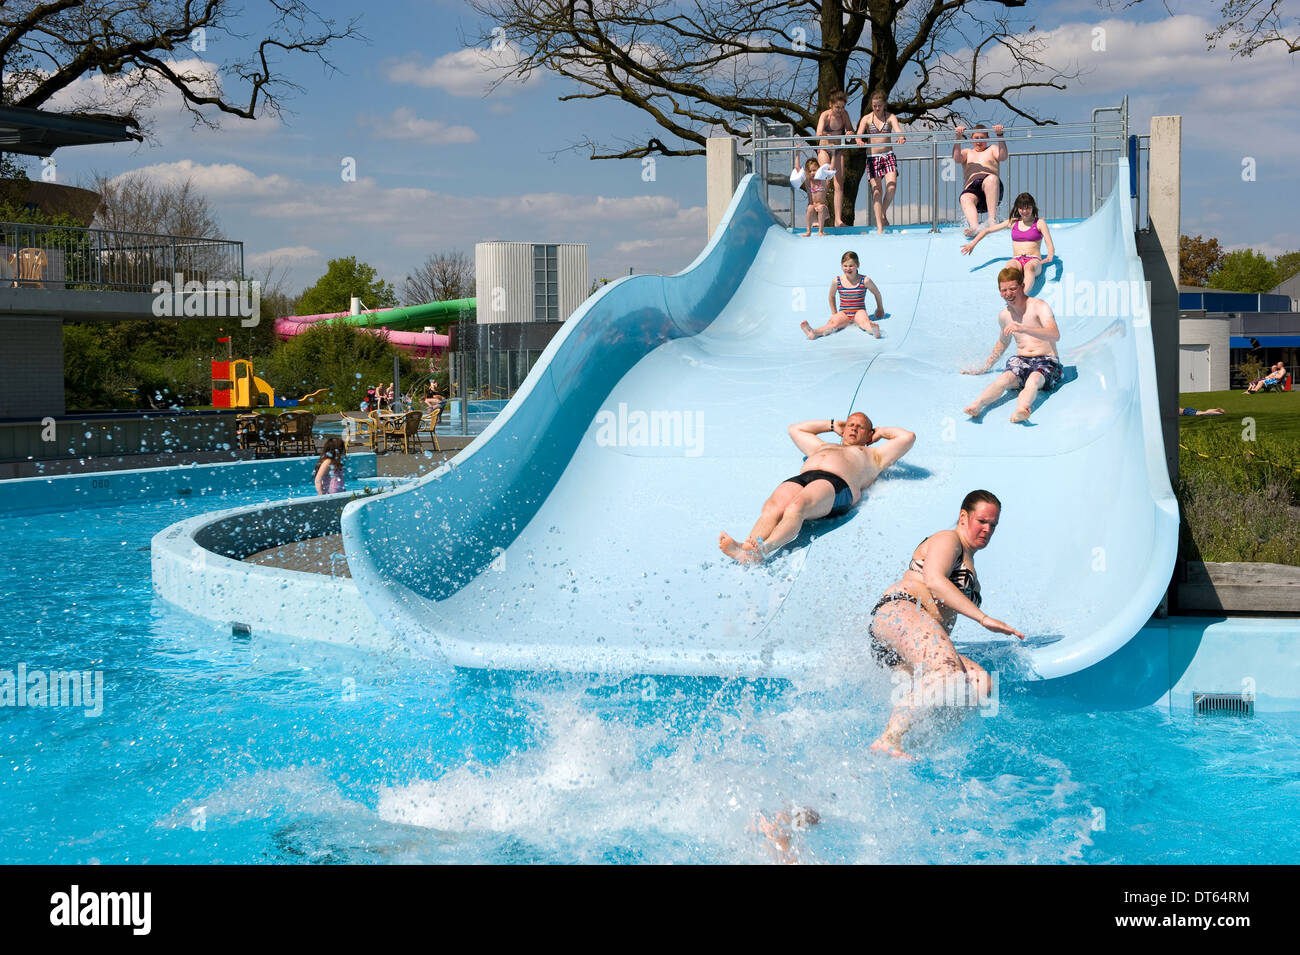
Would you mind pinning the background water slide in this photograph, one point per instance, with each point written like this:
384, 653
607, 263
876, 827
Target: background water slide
399, 323
561, 539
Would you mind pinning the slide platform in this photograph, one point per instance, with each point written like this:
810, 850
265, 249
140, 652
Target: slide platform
579, 531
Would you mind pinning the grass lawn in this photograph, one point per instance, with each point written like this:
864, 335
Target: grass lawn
1276, 414
1239, 487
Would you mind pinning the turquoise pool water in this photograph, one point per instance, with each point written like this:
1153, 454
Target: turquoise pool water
215, 748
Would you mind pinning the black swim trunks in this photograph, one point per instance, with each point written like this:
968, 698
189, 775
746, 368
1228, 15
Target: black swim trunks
1049, 368
976, 189
843, 496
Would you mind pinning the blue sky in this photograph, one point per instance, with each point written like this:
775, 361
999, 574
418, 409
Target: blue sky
441, 166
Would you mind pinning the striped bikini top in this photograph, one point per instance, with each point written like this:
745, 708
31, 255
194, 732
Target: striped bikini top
851, 299
962, 577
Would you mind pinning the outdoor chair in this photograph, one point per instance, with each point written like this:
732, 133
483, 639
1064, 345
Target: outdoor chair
28, 267
403, 429
430, 424
246, 431
295, 433
268, 436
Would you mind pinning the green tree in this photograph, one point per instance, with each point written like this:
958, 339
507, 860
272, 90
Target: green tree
1244, 271
342, 279
339, 357
1197, 258
1286, 265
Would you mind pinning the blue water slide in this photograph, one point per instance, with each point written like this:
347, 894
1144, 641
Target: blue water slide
579, 531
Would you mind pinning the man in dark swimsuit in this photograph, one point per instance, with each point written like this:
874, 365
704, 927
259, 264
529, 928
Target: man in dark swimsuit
831, 482
984, 187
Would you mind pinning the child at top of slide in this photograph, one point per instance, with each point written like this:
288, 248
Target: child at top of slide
1028, 233
882, 165
852, 289
813, 178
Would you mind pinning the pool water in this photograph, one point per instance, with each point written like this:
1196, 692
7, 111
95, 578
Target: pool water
216, 748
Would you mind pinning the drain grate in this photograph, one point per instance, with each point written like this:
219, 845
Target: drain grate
1222, 704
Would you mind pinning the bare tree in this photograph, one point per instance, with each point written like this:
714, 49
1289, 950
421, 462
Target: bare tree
135, 207
137, 202
443, 276
142, 48
1249, 25
709, 65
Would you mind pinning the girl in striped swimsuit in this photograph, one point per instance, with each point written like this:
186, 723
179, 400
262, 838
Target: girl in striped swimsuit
852, 289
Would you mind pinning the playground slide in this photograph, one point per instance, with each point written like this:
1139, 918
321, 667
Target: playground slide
566, 538
405, 326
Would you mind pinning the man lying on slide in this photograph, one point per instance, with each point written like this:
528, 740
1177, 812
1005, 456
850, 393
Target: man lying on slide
831, 482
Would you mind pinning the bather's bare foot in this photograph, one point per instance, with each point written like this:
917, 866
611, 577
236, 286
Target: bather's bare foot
890, 748
875, 329
737, 551
973, 410
1021, 414
808, 330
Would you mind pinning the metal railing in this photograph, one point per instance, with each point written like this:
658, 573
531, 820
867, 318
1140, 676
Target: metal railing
66, 257
1069, 168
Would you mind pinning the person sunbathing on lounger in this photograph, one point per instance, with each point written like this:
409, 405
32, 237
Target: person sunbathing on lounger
831, 482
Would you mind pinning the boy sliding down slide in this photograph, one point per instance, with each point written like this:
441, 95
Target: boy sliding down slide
1035, 365
831, 482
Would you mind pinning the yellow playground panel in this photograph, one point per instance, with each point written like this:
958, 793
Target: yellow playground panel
234, 385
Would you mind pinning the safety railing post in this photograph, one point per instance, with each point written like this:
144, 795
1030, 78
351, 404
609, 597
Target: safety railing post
934, 185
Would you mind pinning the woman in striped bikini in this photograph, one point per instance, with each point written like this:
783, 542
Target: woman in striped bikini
911, 625
852, 289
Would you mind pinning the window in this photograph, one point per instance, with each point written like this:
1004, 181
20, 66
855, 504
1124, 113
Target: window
546, 283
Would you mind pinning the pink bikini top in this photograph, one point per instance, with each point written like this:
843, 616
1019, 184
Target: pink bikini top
1025, 235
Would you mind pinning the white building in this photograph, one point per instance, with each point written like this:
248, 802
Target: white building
529, 281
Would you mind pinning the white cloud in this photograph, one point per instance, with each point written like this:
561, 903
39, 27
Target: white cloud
220, 180
467, 72
283, 256
403, 124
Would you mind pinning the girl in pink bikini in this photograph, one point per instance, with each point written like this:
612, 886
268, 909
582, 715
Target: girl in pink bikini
1028, 233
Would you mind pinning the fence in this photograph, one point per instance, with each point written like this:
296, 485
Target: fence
65, 257
1069, 168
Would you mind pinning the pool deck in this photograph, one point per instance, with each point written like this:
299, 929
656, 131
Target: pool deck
392, 464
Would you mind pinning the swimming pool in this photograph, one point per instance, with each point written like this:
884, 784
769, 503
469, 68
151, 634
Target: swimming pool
212, 747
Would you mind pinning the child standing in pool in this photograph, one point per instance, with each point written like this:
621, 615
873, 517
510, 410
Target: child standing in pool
852, 289
329, 469
816, 189
882, 165
1028, 233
